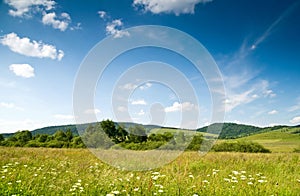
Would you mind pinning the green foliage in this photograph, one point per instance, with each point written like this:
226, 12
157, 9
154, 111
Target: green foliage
231, 130
250, 147
1, 138
137, 134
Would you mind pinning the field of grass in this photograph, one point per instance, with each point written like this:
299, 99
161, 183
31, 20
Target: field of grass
41, 171
281, 140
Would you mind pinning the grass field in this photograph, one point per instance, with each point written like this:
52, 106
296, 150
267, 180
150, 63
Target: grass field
41, 171
281, 140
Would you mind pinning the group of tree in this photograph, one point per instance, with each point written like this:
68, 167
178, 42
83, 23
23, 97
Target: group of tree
60, 139
107, 135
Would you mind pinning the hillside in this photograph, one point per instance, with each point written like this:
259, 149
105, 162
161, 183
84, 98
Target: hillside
231, 130
280, 140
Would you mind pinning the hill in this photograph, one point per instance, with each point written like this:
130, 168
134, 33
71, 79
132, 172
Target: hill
231, 130
285, 139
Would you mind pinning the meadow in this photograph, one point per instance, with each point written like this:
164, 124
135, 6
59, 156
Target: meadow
43, 171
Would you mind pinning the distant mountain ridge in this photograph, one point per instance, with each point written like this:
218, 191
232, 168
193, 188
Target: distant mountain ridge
229, 130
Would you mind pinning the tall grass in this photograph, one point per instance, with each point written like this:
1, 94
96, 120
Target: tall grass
41, 171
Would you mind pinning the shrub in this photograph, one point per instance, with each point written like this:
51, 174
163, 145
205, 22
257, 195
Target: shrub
250, 147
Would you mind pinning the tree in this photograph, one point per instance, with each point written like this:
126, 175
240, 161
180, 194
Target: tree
1, 138
121, 135
23, 136
109, 128
137, 134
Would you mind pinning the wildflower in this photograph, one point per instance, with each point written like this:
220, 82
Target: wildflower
205, 181
115, 192
298, 180
235, 172
214, 173
25, 165
35, 175
155, 173
243, 172
208, 175
18, 181
160, 191
138, 178
9, 183
110, 194
154, 177
235, 181
263, 177
5, 170
260, 181
234, 178
136, 189
227, 180
195, 195
250, 183
191, 176
79, 180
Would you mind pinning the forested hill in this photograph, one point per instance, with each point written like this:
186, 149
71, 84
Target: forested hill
233, 130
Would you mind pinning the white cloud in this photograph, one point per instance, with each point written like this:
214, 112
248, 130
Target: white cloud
186, 106
77, 27
295, 120
141, 113
10, 106
128, 86
102, 14
146, 86
122, 109
115, 27
273, 112
30, 48
166, 6
234, 99
22, 7
92, 111
60, 23
295, 107
139, 102
22, 70
64, 117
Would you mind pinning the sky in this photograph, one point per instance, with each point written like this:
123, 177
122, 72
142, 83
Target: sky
45, 43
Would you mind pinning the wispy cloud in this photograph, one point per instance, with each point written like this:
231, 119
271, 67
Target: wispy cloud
273, 112
146, 86
296, 106
31, 48
271, 28
163, 6
22, 70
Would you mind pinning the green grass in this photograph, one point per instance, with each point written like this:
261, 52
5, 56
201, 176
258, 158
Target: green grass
188, 132
281, 140
41, 171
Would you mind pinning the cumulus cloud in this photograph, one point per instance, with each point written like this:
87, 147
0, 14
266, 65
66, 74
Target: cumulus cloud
273, 112
295, 120
164, 6
62, 22
9, 106
23, 7
64, 117
139, 102
141, 113
115, 28
128, 86
30, 48
92, 111
146, 86
22, 70
186, 106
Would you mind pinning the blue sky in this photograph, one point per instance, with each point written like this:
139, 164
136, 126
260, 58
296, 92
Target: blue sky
255, 44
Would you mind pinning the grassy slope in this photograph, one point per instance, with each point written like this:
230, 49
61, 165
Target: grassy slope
42, 171
281, 140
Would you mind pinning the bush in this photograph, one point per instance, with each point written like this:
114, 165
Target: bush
250, 147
